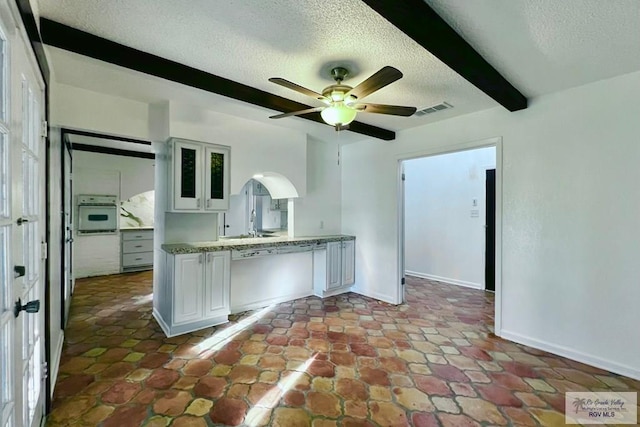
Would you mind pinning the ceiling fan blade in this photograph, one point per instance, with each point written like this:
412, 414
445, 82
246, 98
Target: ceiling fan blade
298, 88
385, 76
395, 110
297, 113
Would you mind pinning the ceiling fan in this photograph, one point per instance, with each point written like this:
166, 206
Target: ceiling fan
343, 102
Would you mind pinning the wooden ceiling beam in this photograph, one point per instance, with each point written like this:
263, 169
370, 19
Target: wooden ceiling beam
83, 43
417, 20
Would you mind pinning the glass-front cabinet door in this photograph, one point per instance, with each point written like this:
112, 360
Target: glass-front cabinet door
187, 173
199, 177
216, 178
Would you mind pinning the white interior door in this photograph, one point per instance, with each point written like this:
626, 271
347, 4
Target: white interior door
28, 160
7, 322
22, 229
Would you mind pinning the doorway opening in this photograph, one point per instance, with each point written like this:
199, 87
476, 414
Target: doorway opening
449, 217
101, 164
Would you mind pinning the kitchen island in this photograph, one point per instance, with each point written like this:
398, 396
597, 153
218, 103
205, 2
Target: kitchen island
203, 282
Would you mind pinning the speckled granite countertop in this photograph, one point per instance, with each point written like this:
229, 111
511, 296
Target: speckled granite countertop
250, 243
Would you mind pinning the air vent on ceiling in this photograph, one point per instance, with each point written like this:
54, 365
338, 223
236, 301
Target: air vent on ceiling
433, 109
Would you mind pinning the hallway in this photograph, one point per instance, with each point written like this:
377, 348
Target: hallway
342, 361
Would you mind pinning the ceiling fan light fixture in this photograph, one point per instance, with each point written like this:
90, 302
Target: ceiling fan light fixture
343, 102
337, 96
338, 114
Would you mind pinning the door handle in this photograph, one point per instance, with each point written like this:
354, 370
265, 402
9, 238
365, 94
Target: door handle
21, 221
19, 271
30, 307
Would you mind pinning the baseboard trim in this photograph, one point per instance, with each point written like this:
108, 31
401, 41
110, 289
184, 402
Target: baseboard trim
375, 295
83, 274
444, 279
334, 292
263, 303
55, 362
578, 356
165, 328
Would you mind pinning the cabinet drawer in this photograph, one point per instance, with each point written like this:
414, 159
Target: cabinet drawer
133, 246
137, 235
143, 258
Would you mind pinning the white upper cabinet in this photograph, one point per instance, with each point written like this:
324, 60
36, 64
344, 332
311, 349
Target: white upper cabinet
187, 172
216, 178
199, 177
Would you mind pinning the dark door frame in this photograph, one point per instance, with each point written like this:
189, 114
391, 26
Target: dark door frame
490, 231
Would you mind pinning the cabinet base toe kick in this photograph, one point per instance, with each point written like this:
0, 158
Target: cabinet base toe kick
177, 329
333, 292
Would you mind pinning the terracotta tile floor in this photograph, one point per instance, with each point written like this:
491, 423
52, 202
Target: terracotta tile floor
344, 361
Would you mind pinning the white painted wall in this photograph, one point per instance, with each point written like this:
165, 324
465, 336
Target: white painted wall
76, 108
136, 174
322, 201
443, 240
97, 173
571, 230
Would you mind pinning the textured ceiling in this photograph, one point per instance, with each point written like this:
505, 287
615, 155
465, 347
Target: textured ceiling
543, 46
540, 46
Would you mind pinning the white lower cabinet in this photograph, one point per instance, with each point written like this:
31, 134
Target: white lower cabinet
217, 277
348, 267
334, 267
196, 293
136, 248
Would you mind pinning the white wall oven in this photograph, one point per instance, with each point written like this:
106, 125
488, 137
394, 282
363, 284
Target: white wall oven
97, 214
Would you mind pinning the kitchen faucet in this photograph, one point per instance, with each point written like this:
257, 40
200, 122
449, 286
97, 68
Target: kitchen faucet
252, 226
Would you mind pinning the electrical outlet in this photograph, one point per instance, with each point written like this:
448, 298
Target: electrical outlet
321, 225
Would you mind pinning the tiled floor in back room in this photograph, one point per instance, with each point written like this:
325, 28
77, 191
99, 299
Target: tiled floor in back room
342, 361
